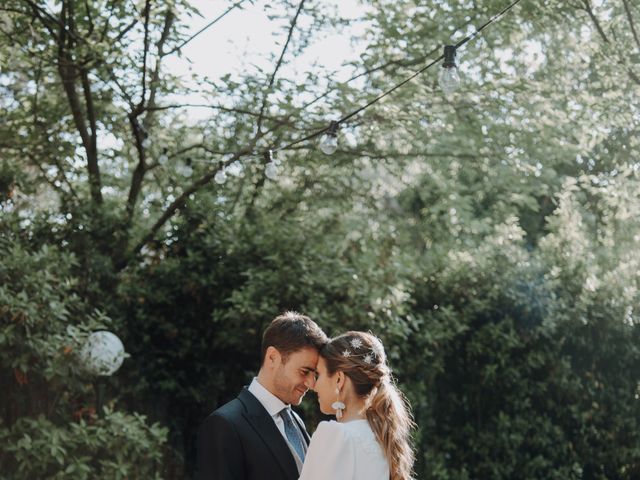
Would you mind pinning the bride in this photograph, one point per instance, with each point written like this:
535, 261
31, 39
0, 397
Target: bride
371, 438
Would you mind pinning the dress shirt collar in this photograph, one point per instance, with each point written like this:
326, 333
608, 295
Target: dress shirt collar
272, 404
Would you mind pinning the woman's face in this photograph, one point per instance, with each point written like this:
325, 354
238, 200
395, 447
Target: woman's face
325, 387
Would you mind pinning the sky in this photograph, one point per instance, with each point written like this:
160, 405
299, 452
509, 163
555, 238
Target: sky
246, 36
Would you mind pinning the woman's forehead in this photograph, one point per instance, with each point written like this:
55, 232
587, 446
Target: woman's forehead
322, 364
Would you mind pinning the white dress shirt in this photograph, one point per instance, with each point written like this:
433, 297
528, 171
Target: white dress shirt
273, 405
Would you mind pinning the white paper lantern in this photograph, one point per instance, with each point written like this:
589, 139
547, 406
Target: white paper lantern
103, 353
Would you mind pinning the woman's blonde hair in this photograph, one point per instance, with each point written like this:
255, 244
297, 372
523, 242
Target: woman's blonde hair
361, 357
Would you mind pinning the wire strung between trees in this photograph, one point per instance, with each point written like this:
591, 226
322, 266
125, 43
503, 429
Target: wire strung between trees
207, 26
393, 89
267, 153
489, 22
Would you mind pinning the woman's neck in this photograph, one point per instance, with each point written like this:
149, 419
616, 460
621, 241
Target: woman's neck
354, 410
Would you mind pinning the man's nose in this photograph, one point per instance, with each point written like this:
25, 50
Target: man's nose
310, 381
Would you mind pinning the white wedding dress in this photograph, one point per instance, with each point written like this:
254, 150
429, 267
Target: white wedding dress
344, 451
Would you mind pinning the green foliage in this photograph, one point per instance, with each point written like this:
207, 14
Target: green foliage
48, 425
120, 446
532, 363
43, 320
489, 238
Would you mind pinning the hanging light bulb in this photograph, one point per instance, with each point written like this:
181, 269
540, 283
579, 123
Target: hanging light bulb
187, 170
271, 167
271, 171
220, 177
449, 77
163, 158
329, 141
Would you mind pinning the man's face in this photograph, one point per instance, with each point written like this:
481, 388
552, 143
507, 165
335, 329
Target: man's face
295, 375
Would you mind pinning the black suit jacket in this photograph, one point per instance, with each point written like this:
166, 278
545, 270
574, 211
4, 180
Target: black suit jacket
240, 441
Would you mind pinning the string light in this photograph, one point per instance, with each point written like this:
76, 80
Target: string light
271, 169
220, 177
393, 89
329, 141
163, 158
187, 170
449, 77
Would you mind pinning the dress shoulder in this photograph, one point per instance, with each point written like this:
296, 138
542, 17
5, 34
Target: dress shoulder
330, 430
331, 453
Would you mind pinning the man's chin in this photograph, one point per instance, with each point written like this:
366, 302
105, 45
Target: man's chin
297, 398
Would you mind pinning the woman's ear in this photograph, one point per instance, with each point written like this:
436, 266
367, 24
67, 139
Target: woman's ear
340, 377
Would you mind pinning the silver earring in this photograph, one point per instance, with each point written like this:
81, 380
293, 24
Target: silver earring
338, 406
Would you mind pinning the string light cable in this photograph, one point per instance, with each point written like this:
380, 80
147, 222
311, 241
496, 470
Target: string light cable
448, 79
449, 67
206, 27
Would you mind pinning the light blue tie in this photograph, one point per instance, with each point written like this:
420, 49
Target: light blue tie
293, 433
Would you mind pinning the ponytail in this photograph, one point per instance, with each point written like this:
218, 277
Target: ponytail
390, 419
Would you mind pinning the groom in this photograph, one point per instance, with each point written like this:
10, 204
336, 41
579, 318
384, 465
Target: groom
257, 436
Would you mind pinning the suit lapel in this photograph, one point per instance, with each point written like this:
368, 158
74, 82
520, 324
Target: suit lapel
264, 426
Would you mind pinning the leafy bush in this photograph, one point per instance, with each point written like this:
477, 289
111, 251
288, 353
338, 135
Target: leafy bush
48, 424
530, 360
119, 446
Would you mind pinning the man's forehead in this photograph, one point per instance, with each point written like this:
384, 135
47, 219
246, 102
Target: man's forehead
305, 358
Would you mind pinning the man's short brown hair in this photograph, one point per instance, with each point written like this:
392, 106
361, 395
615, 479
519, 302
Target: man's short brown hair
291, 332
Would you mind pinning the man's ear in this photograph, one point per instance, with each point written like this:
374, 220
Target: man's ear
272, 357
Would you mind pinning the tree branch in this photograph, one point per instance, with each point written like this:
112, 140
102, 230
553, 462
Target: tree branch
627, 10
155, 78
68, 74
91, 113
594, 19
145, 52
213, 107
123, 92
139, 131
181, 200
107, 17
52, 183
124, 31
193, 147
277, 67
596, 22
38, 127
89, 17
41, 13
